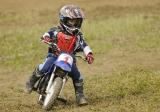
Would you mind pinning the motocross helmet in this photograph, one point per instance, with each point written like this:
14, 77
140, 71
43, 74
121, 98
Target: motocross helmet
71, 18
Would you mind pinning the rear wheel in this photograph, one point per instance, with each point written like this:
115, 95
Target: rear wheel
53, 93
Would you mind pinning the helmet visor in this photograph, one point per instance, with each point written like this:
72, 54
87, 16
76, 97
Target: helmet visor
74, 23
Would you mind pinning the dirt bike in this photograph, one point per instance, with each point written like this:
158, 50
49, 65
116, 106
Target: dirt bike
50, 87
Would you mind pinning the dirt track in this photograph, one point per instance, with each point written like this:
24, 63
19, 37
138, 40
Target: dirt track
124, 76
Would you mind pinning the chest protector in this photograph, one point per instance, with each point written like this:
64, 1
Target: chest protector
65, 42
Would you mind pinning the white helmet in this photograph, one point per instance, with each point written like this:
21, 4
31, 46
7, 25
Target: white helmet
71, 18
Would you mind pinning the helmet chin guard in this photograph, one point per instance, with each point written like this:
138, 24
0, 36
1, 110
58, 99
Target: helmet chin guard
72, 31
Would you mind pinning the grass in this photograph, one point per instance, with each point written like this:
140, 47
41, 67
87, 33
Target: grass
124, 37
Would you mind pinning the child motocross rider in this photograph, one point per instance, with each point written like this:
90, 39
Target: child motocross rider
69, 39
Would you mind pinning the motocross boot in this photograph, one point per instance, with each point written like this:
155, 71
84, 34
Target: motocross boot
80, 98
32, 80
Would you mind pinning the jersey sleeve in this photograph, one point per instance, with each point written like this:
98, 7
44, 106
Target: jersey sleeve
84, 46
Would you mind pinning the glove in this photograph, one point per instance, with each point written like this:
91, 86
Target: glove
90, 58
46, 39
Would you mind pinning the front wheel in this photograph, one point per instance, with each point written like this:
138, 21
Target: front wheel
53, 93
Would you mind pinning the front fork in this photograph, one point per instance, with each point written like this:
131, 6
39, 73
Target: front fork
64, 82
40, 99
65, 78
50, 80
60, 96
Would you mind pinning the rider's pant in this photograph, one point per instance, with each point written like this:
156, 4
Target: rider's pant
48, 65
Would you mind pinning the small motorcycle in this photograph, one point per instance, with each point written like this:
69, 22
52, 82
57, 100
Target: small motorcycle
50, 87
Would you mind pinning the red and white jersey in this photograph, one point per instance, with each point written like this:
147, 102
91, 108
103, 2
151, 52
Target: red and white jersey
65, 42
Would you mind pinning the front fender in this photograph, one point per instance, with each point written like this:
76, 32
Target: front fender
64, 61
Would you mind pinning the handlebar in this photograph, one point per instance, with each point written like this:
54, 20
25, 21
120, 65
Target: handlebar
77, 55
80, 56
51, 45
